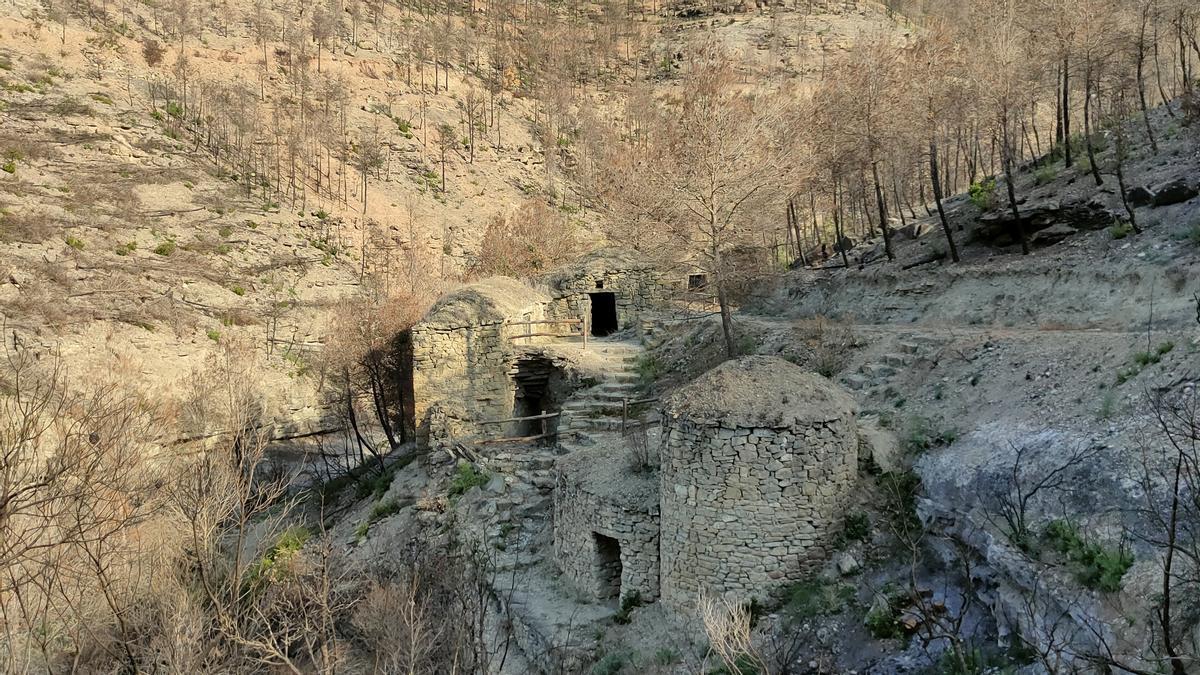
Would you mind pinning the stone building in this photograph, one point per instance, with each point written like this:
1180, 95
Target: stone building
611, 287
758, 461
465, 358
606, 525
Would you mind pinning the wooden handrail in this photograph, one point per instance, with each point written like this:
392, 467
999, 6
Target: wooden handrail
543, 416
572, 322
625, 403
584, 328
515, 439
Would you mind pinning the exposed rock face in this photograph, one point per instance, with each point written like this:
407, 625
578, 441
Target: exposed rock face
1052, 235
759, 458
1139, 196
998, 227
1174, 192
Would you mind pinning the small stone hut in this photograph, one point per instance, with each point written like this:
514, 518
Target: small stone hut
612, 287
464, 356
606, 525
759, 459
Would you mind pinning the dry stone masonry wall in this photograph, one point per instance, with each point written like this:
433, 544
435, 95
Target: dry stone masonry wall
636, 286
759, 460
463, 354
588, 525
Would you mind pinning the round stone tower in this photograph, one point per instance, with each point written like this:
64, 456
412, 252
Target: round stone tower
759, 458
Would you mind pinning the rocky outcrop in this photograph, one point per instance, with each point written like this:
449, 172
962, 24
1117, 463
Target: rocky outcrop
1174, 192
999, 227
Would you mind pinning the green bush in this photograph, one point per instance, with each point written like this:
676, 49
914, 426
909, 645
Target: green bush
10, 166
922, 434
379, 510
983, 194
883, 622
1095, 565
1120, 229
857, 526
75, 243
238, 290
225, 231
610, 664
465, 478
214, 335
816, 597
166, 248
102, 98
649, 369
1045, 175
629, 602
273, 565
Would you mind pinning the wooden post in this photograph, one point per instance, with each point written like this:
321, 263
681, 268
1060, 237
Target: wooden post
528, 332
543, 420
586, 329
624, 414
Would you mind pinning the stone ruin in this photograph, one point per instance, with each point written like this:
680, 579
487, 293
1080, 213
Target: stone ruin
463, 352
606, 525
613, 288
470, 363
758, 460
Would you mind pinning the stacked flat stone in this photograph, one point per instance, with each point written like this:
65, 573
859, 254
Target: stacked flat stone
597, 493
636, 285
462, 354
759, 460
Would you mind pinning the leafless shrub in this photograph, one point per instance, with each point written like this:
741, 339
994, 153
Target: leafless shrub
643, 457
831, 343
26, 227
530, 242
1026, 479
731, 635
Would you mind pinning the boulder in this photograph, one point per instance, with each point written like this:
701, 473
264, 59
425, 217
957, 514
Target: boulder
846, 564
1139, 196
1174, 192
914, 231
843, 244
1052, 235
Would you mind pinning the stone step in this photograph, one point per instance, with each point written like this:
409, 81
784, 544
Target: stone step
910, 347
897, 360
877, 370
596, 424
856, 381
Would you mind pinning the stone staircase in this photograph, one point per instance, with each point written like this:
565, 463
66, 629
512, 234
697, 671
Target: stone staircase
592, 415
597, 409
877, 374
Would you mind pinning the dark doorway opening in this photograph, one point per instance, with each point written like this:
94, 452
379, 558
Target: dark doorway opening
608, 566
536, 380
697, 282
604, 314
